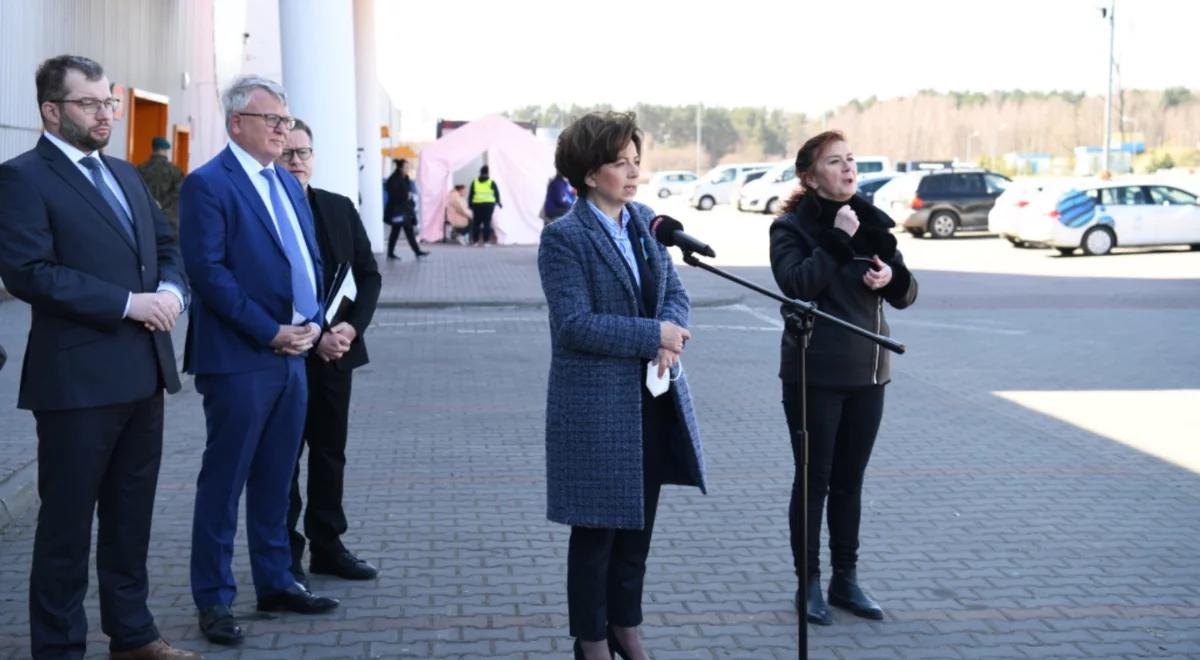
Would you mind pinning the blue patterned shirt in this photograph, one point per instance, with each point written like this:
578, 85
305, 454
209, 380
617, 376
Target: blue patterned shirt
620, 236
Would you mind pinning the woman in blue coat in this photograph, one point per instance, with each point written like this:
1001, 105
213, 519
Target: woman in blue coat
616, 306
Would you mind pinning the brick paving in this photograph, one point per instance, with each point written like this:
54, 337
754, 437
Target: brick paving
989, 530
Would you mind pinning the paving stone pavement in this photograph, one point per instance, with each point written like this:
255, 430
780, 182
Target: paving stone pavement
989, 530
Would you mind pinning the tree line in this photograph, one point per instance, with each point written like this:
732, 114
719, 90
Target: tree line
967, 125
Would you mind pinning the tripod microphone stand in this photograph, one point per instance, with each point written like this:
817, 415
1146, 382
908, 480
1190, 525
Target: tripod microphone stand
799, 318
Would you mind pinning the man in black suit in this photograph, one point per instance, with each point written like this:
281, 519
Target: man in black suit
343, 241
82, 241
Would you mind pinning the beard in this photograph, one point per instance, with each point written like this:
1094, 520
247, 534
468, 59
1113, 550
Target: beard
79, 136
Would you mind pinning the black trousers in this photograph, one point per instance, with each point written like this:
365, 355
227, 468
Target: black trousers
325, 428
606, 568
842, 424
481, 222
104, 461
409, 233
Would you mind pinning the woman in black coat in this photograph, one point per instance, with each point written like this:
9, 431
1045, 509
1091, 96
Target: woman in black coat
833, 247
399, 212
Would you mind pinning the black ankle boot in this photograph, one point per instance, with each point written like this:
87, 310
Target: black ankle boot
844, 592
814, 605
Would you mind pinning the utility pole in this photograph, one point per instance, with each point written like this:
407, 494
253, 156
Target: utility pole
699, 134
1108, 13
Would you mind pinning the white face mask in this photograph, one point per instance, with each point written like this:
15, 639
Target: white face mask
658, 385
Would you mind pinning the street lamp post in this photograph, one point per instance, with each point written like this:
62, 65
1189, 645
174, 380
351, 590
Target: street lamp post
970, 136
1108, 13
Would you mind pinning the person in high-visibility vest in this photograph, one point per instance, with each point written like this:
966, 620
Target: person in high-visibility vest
483, 197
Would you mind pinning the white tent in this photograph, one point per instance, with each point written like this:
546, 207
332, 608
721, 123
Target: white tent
519, 162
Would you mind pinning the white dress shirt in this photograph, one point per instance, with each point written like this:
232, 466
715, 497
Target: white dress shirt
254, 171
75, 155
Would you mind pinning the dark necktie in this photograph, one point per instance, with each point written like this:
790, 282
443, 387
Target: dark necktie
93, 165
304, 297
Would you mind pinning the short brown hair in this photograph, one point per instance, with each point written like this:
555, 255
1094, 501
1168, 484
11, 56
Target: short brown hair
52, 73
806, 162
593, 140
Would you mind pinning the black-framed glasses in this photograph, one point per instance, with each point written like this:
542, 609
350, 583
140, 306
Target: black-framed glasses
92, 106
303, 152
273, 120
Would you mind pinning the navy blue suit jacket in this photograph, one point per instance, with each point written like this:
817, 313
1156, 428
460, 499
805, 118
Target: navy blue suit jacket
63, 250
241, 279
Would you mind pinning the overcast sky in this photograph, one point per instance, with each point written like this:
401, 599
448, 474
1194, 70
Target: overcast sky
466, 59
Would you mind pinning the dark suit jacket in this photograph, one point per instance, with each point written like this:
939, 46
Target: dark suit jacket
343, 239
240, 275
63, 250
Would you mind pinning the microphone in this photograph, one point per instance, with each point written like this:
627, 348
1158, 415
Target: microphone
669, 232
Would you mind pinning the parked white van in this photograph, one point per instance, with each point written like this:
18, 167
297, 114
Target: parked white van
716, 186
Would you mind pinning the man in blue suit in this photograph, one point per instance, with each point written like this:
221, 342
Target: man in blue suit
252, 257
83, 242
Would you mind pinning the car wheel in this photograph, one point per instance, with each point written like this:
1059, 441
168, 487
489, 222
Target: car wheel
943, 224
916, 233
1066, 252
772, 207
664, 193
1098, 241
1195, 247
706, 203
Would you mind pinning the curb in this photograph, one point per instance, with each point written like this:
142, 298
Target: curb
539, 303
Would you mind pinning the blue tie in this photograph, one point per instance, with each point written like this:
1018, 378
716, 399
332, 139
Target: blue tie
304, 297
93, 165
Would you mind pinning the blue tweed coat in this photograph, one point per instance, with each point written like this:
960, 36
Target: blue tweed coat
598, 342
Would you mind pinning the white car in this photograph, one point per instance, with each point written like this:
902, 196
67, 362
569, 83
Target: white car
1107, 214
674, 182
768, 193
716, 187
1013, 213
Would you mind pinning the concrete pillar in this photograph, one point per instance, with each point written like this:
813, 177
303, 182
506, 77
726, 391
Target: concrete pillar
366, 83
317, 42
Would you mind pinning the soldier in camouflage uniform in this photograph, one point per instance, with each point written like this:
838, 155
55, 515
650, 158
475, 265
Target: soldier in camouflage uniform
163, 179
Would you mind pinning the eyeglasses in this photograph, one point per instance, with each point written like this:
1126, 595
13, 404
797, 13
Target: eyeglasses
303, 152
273, 120
92, 106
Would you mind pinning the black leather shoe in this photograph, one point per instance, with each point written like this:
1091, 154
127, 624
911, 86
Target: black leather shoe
343, 564
299, 574
814, 608
423, 253
844, 592
219, 626
296, 599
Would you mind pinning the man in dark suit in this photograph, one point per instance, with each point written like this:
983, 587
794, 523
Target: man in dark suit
343, 243
82, 241
252, 259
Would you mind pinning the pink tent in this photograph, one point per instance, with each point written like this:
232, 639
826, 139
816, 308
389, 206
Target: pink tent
520, 162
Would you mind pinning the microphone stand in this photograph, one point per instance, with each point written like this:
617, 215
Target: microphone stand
799, 318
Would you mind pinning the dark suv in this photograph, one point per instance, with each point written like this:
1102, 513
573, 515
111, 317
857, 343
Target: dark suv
946, 201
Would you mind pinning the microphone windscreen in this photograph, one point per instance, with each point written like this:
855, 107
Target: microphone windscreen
664, 227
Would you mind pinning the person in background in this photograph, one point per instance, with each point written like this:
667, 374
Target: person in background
399, 212
458, 214
84, 243
834, 248
483, 198
343, 242
163, 179
618, 313
559, 198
